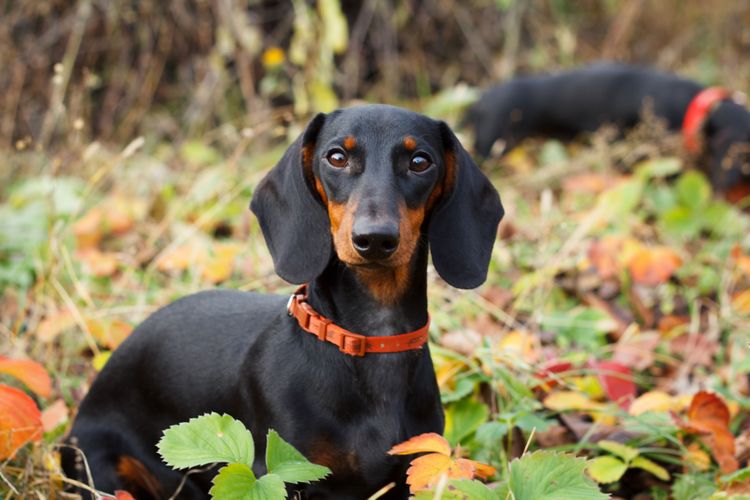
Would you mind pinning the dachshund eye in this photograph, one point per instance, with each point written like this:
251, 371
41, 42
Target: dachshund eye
337, 158
420, 162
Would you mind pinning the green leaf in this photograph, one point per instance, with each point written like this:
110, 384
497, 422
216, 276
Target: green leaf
490, 434
553, 152
548, 475
237, 482
658, 167
463, 418
682, 221
289, 464
464, 387
207, 439
693, 190
607, 469
736, 476
693, 487
627, 453
650, 466
621, 199
466, 489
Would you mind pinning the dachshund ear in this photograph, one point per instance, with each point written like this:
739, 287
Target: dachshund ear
294, 222
464, 225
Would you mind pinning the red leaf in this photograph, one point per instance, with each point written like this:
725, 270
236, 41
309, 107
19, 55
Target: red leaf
617, 381
20, 421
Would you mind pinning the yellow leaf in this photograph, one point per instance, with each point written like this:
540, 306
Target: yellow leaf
100, 360
520, 344
741, 302
219, 266
697, 458
422, 443
656, 401
109, 333
569, 400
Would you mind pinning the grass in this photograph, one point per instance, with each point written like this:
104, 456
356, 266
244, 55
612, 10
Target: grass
609, 252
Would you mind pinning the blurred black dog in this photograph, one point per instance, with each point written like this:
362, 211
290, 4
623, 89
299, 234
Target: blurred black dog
562, 106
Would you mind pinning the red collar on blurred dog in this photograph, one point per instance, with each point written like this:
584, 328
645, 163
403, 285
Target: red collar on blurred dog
698, 110
350, 343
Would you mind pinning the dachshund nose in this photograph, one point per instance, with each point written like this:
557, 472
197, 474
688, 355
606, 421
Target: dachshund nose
376, 243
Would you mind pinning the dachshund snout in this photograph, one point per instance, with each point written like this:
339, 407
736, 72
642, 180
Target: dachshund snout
375, 241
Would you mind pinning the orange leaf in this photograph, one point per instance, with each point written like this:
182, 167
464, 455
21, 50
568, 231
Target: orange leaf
88, 229
653, 266
481, 470
605, 256
54, 415
32, 374
99, 264
426, 470
53, 325
421, 444
180, 258
709, 414
741, 302
20, 421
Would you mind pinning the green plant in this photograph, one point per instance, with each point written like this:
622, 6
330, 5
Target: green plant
213, 438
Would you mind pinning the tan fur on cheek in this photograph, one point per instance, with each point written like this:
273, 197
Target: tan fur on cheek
342, 220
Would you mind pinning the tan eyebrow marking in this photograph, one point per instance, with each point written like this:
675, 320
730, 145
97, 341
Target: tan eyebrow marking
350, 142
410, 143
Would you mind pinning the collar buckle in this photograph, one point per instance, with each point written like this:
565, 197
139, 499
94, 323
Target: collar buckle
356, 338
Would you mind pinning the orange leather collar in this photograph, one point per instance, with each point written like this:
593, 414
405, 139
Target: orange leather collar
350, 343
697, 112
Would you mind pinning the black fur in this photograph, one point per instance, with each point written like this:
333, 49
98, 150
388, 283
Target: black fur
567, 104
240, 353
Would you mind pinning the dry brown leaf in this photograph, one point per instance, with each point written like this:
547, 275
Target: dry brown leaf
709, 415
53, 325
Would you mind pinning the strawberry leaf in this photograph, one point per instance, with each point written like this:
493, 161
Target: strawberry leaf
289, 464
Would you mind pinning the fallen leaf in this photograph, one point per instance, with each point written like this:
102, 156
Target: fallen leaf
88, 229
109, 333
652, 401
30, 373
697, 458
54, 415
53, 325
670, 324
520, 344
218, 267
605, 256
653, 265
590, 183
636, 351
617, 381
463, 341
422, 443
97, 263
708, 414
699, 349
743, 261
570, 400
20, 421
180, 258
741, 302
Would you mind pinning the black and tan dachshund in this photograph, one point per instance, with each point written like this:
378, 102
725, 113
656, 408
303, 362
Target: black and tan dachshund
567, 104
351, 210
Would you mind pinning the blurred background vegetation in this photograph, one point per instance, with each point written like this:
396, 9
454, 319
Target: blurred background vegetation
112, 70
133, 132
